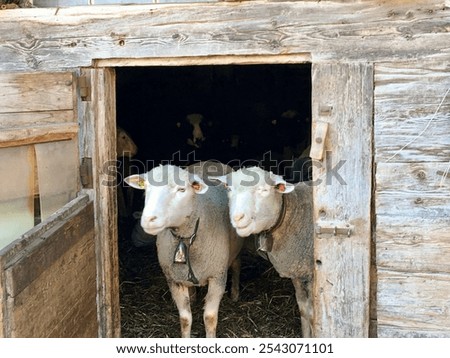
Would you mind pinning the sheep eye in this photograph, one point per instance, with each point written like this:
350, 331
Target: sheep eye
181, 189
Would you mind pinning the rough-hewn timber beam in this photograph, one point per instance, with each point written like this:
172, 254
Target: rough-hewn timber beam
66, 38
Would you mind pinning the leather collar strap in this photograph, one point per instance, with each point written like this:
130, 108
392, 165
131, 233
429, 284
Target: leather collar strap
181, 255
280, 217
265, 238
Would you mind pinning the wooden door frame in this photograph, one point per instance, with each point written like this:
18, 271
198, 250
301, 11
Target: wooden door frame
98, 142
103, 109
342, 97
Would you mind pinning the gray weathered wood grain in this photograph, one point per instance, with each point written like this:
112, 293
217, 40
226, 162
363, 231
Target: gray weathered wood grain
413, 305
33, 92
412, 111
412, 198
102, 115
341, 290
67, 38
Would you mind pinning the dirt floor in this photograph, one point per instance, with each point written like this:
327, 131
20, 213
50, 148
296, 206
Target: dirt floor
267, 306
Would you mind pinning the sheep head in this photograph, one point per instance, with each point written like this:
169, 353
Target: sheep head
254, 199
169, 196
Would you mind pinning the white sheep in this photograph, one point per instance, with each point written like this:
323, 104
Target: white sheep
282, 224
195, 240
205, 170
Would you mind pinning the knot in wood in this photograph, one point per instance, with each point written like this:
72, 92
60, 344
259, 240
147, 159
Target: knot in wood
421, 174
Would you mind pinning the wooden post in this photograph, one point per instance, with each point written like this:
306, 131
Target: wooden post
342, 199
104, 112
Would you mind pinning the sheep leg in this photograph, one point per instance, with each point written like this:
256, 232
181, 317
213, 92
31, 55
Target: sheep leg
216, 289
235, 277
180, 295
304, 300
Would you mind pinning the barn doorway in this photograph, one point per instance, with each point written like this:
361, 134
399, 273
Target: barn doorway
241, 115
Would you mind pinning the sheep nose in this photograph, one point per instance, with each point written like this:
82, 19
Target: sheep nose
238, 217
150, 219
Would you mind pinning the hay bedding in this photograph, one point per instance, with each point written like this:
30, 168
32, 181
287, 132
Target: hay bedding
267, 306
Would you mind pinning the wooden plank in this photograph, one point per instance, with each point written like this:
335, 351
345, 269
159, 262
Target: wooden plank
33, 92
412, 109
412, 198
412, 190
413, 177
37, 134
387, 331
363, 31
2, 299
413, 305
412, 203
12, 252
205, 61
30, 119
341, 290
46, 249
411, 248
86, 120
413, 206
103, 116
61, 301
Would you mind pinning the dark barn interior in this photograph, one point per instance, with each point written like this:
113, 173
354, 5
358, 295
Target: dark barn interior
244, 115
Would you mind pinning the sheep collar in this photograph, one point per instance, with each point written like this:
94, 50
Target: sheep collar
181, 255
265, 238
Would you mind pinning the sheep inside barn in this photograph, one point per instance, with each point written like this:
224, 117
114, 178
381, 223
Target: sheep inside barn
195, 241
283, 226
379, 139
238, 121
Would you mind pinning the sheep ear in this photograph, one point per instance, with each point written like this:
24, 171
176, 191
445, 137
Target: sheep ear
198, 184
136, 181
281, 185
284, 187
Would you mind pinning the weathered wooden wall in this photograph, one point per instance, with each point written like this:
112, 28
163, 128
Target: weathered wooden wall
48, 277
49, 282
343, 98
411, 211
412, 145
102, 115
68, 38
36, 108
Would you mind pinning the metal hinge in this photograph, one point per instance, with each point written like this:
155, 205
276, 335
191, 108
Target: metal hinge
86, 173
84, 85
334, 230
